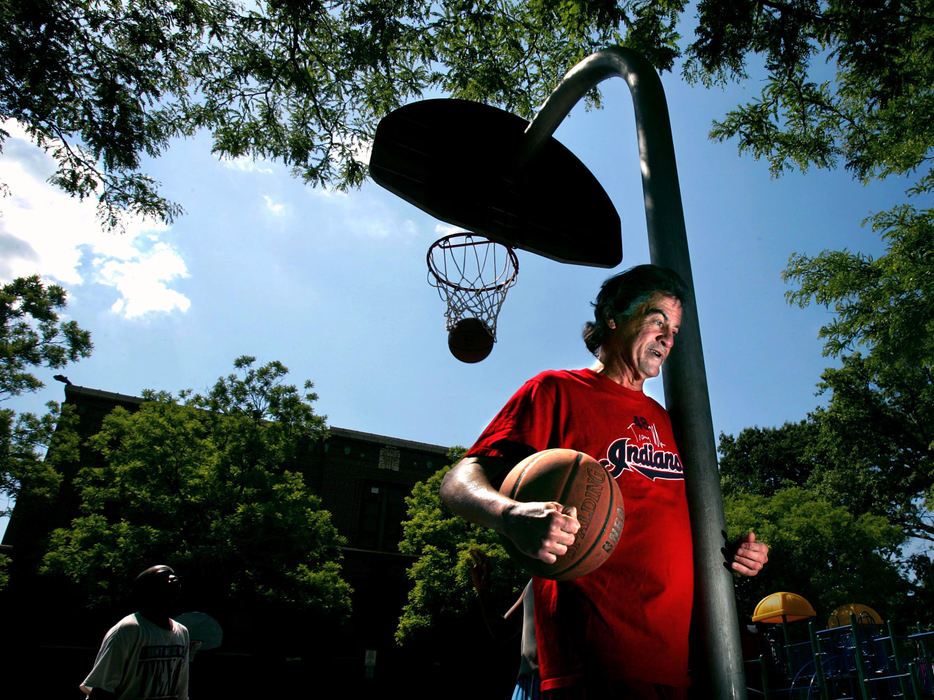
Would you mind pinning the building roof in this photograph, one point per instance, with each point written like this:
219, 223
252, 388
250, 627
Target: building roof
78, 393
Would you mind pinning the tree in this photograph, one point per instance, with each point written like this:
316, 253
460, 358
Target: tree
878, 303
873, 114
763, 461
869, 450
217, 494
871, 109
32, 335
100, 84
820, 551
446, 621
878, 426
443, 596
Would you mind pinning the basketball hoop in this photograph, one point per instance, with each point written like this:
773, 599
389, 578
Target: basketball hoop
472, 275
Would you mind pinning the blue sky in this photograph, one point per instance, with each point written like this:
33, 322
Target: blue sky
334, 285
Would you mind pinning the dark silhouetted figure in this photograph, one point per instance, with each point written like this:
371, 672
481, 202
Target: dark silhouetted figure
145, 655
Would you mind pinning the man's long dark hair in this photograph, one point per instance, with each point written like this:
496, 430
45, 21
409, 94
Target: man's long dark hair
621, 294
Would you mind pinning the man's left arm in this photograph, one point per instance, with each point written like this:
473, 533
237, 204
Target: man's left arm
749, 556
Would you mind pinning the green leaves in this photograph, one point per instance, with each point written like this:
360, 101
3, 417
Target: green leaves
871, 112
820, 551
23, 442
878, 303
101, 84
764, 461
211, 486
882, 397
31, 334
858, 472
95, 84
443, 589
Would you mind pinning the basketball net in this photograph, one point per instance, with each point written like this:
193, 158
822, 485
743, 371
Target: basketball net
472, 275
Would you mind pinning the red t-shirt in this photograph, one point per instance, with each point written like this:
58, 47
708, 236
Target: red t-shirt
628, 619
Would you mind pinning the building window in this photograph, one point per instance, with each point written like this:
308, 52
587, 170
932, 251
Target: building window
389, 459
382, 510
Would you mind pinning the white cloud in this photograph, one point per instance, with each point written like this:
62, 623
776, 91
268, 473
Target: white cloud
142, 282
362, 150
44, 231
360, 214
373, 225
328, 192
245, 164
275, 208
446, 230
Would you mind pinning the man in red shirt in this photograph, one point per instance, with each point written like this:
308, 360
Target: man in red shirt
622, 630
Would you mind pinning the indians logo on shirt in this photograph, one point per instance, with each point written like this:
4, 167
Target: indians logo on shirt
643, 451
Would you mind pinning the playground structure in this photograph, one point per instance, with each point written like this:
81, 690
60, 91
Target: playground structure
857, 656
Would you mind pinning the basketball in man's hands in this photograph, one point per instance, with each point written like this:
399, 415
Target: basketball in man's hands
571, 478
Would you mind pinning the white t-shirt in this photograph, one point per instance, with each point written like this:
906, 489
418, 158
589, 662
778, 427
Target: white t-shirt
139, 660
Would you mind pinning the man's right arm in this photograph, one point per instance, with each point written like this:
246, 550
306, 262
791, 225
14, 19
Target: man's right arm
540, 530
109, 666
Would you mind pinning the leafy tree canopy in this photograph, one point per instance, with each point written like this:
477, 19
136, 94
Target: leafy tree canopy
884, 305
32, 335
103, 83
443, 593
818, 550
216, 495
870, 449
24, 439
878, 427
764, 461
856, 453
879, 451
870, 109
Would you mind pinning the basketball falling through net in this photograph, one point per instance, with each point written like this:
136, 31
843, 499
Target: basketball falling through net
472, 275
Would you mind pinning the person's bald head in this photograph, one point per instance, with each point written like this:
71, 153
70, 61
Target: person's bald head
157, 588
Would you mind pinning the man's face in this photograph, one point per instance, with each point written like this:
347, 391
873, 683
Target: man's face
644, 341
160, 585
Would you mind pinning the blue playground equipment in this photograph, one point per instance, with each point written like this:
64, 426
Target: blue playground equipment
857, 657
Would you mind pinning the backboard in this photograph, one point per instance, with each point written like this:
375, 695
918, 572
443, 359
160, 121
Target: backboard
458, 161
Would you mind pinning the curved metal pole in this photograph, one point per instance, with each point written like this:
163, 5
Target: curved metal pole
685, 377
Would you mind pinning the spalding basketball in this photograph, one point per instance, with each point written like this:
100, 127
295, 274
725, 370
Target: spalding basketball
470, 340
572, 479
